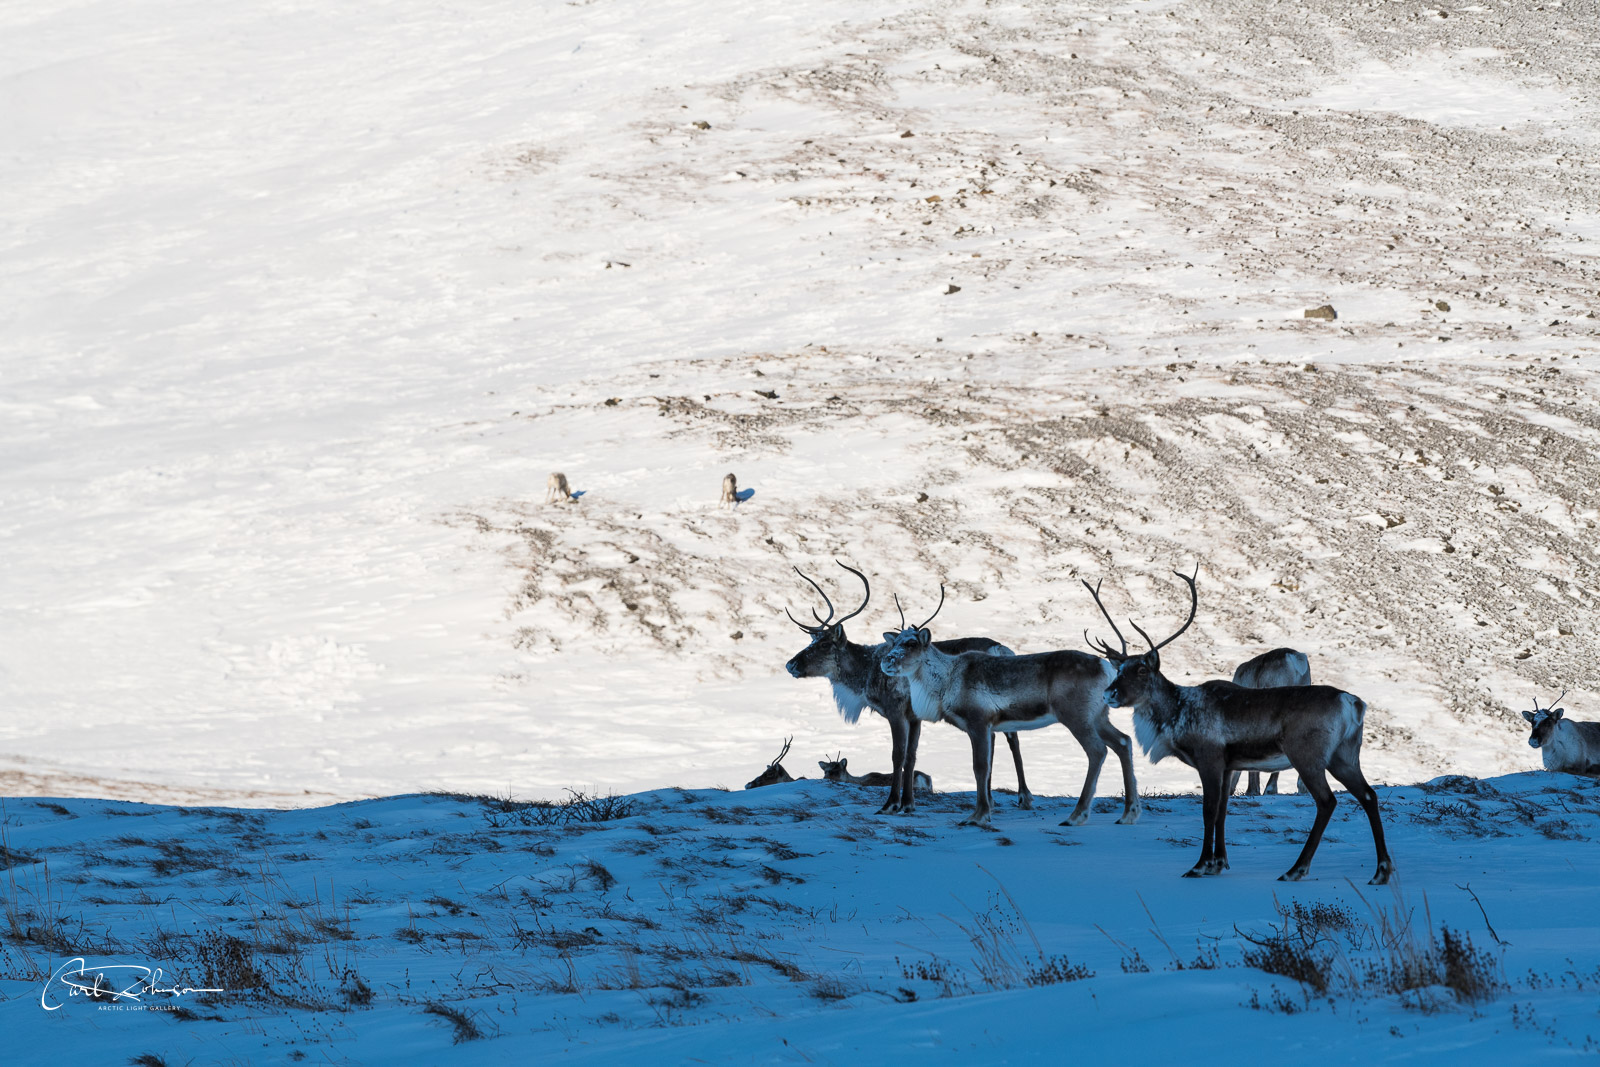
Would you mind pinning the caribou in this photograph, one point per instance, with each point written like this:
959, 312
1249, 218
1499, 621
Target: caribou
774, 774
556, 487
730, 492
985, 695
1564, 745
838, 770
853, 671
1281, 666
1217, 727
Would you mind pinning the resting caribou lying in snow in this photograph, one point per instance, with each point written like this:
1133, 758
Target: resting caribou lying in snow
985, 695
858, 684
838, 770
1217, 727
1564, 745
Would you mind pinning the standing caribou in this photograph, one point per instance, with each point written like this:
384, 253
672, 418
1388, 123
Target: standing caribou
1564, 745
1216, 727
985, 695
1281, 666
858, 683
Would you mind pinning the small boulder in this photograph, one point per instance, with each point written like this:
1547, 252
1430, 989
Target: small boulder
1324, 312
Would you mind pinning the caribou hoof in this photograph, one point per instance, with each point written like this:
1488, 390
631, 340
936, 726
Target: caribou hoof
907, 810
975, 820
1216, 866
1025, 802
1294, 874
1129, 817
888, 809
1194, 872
1077, 818
1385, 869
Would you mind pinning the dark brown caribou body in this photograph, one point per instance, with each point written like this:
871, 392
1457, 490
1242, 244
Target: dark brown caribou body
1217, 727
858, 684
1281, 666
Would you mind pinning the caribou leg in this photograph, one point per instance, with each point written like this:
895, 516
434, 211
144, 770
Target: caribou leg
1314, 782
1271, 789
1123, 746
1095, 749
982, 745
1348, 772
908, 784
897, 733
1219, 850
1211, 783
1024, 797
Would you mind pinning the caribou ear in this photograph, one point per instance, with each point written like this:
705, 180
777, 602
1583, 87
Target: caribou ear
889, 636
1155, 660
824, 765
844, 761
1556, 714
1528, 715
924, 637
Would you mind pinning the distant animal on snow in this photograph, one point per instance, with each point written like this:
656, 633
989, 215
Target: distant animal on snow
774, 774
556, 488
1281, 666
838, 770
1564, 745
730, 492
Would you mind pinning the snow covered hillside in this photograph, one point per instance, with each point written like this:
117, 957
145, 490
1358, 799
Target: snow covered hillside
301, 305
790, 925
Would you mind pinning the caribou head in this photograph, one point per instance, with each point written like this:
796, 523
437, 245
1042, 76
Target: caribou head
1544, 721
827, 637
908, 644
1136, 675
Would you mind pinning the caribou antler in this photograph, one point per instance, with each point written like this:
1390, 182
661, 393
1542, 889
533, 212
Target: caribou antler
1194, 604
823, 624
1101, 646
866, 593
929, 619
786, 743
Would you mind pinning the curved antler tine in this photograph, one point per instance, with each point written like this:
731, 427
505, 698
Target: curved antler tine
930, 618
1557, 700
1194, 605
901, 610
1105, 648
866, 593
797, 622
824, 596
1142, 634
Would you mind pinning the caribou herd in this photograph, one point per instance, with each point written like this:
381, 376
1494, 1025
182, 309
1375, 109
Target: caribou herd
1268, 719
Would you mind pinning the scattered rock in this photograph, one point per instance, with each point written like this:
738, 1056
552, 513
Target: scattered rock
701, 124
908, 133
613, 401
953, 289
770, 394
1442, 305
934, 199
922, 498
1324, 312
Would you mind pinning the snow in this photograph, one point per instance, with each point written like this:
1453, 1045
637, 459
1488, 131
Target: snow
788, 924
300, 306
